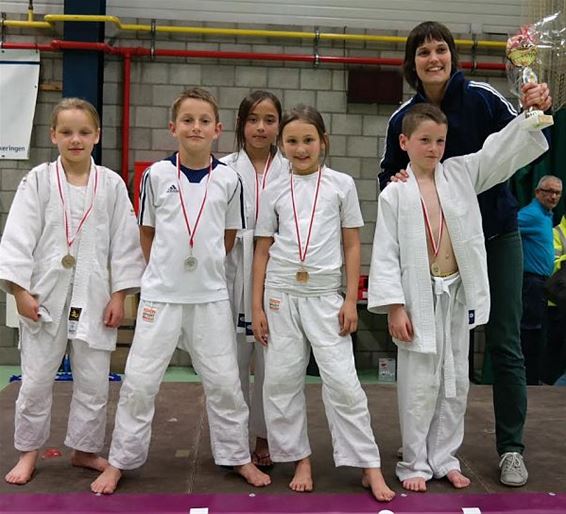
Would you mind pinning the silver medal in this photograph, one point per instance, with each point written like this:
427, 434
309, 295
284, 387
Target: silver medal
191, 263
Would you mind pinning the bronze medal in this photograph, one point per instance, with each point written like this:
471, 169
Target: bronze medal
68, 261
435, 269
302, 276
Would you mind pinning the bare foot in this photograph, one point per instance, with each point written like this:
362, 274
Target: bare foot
253, 475
373, 479
260, 456
88, 460
22, 472
302, 480
458, 480
107, 481
417, 484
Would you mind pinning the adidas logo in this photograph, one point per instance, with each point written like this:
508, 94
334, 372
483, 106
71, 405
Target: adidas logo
172, 189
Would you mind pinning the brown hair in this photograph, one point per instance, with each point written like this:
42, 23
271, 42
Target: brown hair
419, 113
426, 31
75, 103
310, 115
246, 106
198, 94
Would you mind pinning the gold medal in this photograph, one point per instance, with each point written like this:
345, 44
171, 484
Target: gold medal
302, 276
435, 269
68, 261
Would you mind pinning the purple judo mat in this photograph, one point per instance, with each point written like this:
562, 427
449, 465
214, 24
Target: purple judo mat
85, 503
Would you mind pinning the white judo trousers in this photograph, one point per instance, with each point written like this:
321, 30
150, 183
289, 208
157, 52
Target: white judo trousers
248, 350
432, 389
41, 356
238, 278
205, 331
293, 320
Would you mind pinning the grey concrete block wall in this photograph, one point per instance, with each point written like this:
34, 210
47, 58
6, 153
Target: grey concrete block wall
357, 131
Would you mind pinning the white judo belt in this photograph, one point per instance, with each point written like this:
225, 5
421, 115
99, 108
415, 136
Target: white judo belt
443, 318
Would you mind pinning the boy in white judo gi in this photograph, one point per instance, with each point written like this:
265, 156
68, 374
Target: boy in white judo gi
190, 210
428, 273
69, 253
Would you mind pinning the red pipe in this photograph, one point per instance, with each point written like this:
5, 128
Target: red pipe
126, 117
128, 52
58, 44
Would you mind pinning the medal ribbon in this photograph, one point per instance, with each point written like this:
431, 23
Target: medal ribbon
263, 183
303, 254
435, 244
193, 232
71, 240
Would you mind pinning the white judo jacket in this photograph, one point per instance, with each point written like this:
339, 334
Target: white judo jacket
107, 251
239, 260
400, 272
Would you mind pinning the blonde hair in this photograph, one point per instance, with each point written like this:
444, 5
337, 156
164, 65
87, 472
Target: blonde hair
75, 103
196, 93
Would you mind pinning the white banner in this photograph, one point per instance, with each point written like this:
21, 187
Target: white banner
19, 80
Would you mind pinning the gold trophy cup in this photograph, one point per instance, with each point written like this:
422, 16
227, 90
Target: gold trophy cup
522, 53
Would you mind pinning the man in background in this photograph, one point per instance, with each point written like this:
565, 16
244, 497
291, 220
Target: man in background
535, 226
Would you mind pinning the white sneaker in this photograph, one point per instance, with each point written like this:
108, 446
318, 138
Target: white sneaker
513, 470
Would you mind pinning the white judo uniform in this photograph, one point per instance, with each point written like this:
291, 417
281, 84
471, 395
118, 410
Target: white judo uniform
300, 312
72, 300
239, 278
433, 367
186, 307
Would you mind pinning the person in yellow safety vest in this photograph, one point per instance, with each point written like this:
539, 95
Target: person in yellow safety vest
555, 354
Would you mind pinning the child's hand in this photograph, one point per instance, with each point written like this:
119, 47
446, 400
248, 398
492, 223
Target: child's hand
348, 317
399, 323
114, 312
259, 326
27, 305
536, 95
400, 176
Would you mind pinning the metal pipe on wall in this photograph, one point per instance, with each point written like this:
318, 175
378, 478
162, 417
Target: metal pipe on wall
50, 19
125, 132
127, 53
138, 51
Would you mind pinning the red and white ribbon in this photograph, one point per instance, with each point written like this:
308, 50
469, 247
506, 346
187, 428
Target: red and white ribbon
435, 244
71, 239
263, 184
192, 232
303, 253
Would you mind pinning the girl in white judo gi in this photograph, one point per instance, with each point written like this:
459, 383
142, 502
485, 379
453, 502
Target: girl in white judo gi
429, 274
258, 163
69, 254
296, 278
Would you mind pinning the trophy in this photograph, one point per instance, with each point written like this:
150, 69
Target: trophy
522, 53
